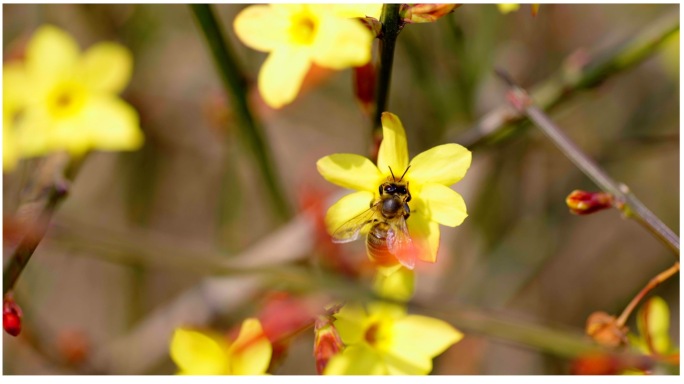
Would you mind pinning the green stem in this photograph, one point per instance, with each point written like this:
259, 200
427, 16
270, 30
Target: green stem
391, 26
627, 201
570, 80
235, 84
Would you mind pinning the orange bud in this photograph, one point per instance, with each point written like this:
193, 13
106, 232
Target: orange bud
584, 203
425, 13
605, 330
327, 342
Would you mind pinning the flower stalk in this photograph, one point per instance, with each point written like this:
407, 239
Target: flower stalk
46, 196
654, 282
625, 200
391, 26
235, 84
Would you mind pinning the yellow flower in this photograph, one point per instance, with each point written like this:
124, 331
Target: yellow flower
653, 324
204, 353
507, 8
69, 100
383, 339
13, 95
429, 176
297, 35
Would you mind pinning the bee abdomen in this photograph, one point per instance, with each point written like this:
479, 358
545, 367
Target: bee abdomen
376, 245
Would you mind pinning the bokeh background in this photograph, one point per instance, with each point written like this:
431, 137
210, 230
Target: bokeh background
130, 252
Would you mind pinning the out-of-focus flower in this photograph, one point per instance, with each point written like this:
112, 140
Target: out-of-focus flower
653, 325
383, 339
508, 8
297, 35
428, 175
65, 100
584, 203
13, 95
425, 13
398, 285
208, 353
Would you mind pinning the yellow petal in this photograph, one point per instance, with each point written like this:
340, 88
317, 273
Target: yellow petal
350, 171
111, 124
13, 91
251, 351
350, 323
356, 360
51, 54
346, 209
261, 27
281, 75
445, 164
35, 133
358, 10
417, 339
444, 205
197, 353
393, 150
341, 43
425, 236
107, 67
398, 285
653, 321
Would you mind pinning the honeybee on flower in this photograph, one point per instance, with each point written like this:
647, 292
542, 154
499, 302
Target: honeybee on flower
400, 215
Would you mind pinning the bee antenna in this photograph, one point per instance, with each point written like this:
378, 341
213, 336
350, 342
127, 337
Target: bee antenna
404, 174
393, 178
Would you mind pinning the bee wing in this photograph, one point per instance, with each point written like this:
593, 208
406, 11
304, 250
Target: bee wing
350, 230
399, 243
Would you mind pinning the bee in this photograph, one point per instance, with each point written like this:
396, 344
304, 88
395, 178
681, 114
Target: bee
388, 237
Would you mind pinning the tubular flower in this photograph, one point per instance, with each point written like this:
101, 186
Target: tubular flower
383, 339
67, 100
297, 35
428, 177
202, 353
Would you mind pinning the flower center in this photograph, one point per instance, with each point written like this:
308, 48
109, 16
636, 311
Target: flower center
371, 335
66, 100
303, 28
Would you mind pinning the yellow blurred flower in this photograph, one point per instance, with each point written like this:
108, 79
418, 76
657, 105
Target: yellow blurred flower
65, 100
297, 35
508, 8
429, 176
653, 324
205, 353
382, 339
12, 101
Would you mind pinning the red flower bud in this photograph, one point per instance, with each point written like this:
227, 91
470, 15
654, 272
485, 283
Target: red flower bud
364, 87
327, 342
584, 203
425, 13
11, 317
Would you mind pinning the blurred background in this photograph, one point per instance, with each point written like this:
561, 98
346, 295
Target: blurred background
132, 252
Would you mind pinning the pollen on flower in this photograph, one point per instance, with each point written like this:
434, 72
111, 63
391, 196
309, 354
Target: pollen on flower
371, 335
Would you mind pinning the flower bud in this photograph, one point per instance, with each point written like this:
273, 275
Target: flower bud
425, 13
11, 316
364, 87
584, 203
327, 342
605, 330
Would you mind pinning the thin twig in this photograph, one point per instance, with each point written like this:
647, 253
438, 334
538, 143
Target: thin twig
235, 84
625, 200
654, 282
391, 26
574, 78
49, 189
